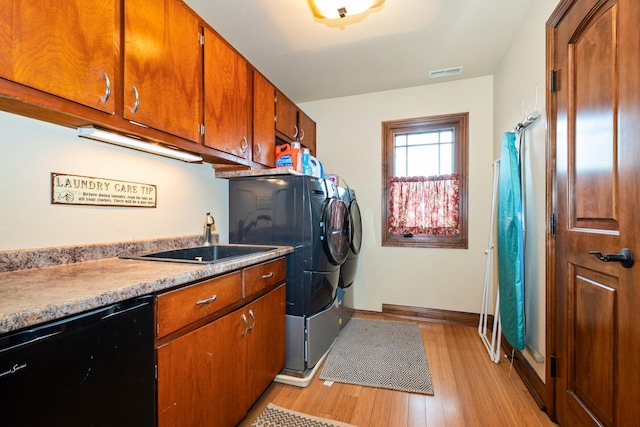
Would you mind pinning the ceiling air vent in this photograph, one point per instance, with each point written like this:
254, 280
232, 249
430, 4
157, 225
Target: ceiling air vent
445, 73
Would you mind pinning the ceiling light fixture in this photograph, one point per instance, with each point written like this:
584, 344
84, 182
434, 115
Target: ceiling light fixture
336, 9
129, 142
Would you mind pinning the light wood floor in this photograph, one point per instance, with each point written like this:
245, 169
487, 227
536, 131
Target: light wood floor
470, 390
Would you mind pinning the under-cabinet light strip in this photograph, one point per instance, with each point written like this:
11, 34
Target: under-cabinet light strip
126, 141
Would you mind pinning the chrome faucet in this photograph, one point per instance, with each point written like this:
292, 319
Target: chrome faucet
209, 226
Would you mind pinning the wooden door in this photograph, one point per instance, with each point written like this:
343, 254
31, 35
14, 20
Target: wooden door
163, 67
266, 350
596, 330
65, 48
307, 132
286, 117
264, 111
227, 97
200, 375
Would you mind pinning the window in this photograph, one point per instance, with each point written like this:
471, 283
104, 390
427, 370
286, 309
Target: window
424, 173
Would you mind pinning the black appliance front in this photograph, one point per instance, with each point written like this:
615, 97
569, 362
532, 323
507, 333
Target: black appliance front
92, 369
349, 267
298, 211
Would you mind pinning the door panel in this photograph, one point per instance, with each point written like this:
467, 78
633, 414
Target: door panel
65, 48
264, 111
227, 110
593, 342
266, 348
591, 70
163, 67
595, 303
286, 117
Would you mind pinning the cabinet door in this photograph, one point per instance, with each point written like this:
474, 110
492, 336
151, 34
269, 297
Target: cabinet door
264, 111
201, 373
227, 102
286, 117
163, 67
65, 48
266, 347
307, 132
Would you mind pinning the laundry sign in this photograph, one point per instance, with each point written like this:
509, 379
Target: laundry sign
84, 190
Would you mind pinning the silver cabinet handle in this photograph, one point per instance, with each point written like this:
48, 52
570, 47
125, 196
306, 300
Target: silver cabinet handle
267, 276
107, 91
245, 144
257, 150
246, 325
253, 318
302, 132
136, 104
207, 301
295, 133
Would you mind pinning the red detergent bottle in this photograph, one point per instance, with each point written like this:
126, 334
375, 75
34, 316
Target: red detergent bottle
289, 156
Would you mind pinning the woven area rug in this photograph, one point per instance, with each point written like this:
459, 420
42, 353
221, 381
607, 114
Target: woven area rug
380, 353
275, 416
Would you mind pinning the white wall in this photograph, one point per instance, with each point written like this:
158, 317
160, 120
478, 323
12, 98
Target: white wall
350, 145
30, 150
515, 81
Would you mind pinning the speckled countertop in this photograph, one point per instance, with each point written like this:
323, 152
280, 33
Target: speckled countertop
36, 295
256, 172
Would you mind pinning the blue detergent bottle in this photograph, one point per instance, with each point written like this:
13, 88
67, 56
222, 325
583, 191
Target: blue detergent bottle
306, 165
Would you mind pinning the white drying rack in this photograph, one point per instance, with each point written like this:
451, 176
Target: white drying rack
493, 345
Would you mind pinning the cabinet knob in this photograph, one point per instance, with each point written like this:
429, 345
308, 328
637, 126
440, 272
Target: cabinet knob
207, 301
246, 325
295, 131
257, 150
107, 90
302, 132
136, 103
253, 318
244, 145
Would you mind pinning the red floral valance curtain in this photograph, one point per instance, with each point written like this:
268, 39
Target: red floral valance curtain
425, 205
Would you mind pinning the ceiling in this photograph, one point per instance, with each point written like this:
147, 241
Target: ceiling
393, 47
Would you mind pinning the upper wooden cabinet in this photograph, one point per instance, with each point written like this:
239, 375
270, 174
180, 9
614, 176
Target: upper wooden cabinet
286, 117
292, 124
162, 67
139, 67
264, 111
64, 48
227, 106
307, 130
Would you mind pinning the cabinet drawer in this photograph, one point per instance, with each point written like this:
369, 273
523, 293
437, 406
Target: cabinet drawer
183, 306
264, 275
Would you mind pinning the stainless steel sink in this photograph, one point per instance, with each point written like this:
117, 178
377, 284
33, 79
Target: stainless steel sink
201, 254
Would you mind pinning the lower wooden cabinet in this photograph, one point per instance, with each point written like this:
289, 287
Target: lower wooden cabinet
211, 376
266, 343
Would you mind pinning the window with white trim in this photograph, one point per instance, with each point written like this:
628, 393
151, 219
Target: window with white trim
424, 169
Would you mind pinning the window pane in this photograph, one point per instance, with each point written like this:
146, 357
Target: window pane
423, 160
400, 164
446, 159
446, 136
400, 140
422, 138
